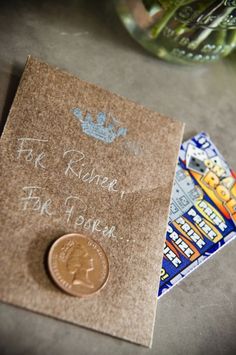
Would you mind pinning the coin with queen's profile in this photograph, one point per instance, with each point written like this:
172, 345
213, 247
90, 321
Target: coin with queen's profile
78, 265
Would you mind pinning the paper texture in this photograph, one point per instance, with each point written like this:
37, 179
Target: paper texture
77, 158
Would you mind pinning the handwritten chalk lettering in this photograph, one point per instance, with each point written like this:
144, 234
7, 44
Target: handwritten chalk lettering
78, 166
94, 225
31, 150
75, 210
33, 202
72, 203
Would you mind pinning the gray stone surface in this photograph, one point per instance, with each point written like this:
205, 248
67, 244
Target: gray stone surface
84, 37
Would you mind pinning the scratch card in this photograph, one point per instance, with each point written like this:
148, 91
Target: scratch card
202, 213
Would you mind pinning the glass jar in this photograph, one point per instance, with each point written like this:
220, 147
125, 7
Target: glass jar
183, 31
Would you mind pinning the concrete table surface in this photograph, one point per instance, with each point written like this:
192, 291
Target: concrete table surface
85, 37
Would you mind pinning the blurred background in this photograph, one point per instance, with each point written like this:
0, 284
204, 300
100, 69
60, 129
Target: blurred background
88, 39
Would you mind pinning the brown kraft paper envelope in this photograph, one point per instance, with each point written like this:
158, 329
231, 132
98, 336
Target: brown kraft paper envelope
60, 133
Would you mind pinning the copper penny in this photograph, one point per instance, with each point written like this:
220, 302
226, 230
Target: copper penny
78, 265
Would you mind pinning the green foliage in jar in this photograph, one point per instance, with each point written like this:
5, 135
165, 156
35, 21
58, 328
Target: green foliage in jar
182, 30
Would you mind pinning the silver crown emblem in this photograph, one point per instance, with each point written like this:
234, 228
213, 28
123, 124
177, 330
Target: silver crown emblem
105, 129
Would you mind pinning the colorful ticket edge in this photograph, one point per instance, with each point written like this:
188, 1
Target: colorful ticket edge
201, 162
